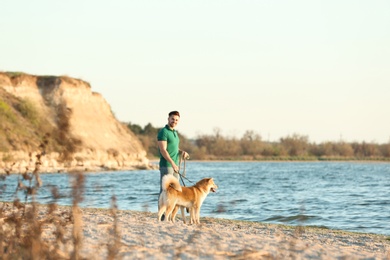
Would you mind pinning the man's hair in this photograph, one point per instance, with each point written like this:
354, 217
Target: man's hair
174, 113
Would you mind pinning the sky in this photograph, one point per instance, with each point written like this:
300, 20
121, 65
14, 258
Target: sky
319, 69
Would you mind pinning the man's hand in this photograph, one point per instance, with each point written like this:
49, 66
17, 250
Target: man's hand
185, 155
175, 167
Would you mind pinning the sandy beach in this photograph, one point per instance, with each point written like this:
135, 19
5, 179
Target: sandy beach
138, 235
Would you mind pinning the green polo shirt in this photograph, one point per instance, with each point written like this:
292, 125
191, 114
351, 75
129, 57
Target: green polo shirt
172, 139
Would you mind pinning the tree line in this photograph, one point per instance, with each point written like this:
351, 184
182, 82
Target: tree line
251, 147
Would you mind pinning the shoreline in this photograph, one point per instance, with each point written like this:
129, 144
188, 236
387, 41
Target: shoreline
290, 226
153, 165
156, 161
140, 236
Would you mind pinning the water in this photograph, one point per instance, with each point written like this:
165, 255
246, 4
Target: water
334, 195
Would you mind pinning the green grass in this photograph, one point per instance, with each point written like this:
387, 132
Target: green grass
29, 111
13, 74
6, 112
21, 124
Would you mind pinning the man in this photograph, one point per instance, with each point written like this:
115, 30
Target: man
168, 145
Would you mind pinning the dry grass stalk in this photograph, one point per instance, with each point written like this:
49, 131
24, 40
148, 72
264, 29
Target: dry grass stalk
77, 193
21, 232
113, 247
21, 229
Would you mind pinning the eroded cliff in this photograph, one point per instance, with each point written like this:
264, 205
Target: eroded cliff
81, 130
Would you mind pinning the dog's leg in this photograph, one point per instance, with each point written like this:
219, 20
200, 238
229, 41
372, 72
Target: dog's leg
192, 215
161, 212
161, 208
182, 214
197, 218
195, 213
168, 212
174, 212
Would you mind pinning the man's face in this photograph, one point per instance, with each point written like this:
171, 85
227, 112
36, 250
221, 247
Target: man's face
173, 120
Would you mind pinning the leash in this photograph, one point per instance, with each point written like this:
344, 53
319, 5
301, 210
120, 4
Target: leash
181, 178
183, 175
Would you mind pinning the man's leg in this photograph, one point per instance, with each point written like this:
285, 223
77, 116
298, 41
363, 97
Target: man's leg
164, 171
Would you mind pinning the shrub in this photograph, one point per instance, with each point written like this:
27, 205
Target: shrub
6, 111
29, 111
13, 74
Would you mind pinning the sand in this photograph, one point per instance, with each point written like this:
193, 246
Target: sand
140, 236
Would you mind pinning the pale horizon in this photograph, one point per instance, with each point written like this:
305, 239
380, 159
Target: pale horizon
314, 68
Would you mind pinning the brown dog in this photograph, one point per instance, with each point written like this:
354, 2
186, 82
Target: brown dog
173, 195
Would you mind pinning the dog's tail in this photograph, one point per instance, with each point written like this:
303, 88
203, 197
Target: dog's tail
170, 182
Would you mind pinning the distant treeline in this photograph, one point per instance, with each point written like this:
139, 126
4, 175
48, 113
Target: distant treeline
251, 147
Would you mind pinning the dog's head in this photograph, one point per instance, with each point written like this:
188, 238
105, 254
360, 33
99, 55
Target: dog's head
207, 184
212, 185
